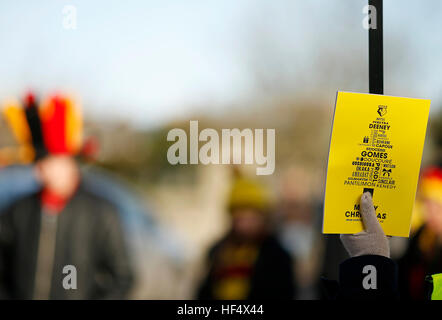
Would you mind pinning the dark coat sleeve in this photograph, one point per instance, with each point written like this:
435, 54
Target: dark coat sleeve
115, 259
204, 292
367, 277
6, 242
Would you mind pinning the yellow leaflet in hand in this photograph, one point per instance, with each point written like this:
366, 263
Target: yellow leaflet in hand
376, 145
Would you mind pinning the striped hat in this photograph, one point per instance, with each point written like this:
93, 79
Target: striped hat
61, 123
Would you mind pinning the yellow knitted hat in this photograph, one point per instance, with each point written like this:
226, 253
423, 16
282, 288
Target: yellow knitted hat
248, 193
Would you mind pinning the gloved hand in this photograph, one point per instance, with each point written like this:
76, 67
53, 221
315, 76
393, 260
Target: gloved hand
371, 241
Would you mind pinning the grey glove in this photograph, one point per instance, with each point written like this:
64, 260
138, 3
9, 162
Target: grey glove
372, 241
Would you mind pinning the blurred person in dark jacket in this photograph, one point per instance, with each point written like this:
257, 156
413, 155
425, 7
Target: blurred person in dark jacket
62, 226
423, 256
248, 262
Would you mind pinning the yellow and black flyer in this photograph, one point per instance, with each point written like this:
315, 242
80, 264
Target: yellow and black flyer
376, 145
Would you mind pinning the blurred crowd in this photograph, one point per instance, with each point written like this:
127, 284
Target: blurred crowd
58, 208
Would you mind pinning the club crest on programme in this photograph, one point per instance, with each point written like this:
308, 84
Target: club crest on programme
382, 110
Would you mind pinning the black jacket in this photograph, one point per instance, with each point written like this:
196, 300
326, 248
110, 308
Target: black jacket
272, 276
88, 236
352, 273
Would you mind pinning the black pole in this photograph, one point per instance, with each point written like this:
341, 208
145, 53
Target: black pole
376, 49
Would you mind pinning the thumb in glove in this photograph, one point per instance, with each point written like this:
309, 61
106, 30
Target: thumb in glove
371, 241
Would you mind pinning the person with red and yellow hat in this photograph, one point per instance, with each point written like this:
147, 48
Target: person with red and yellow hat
62, 242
